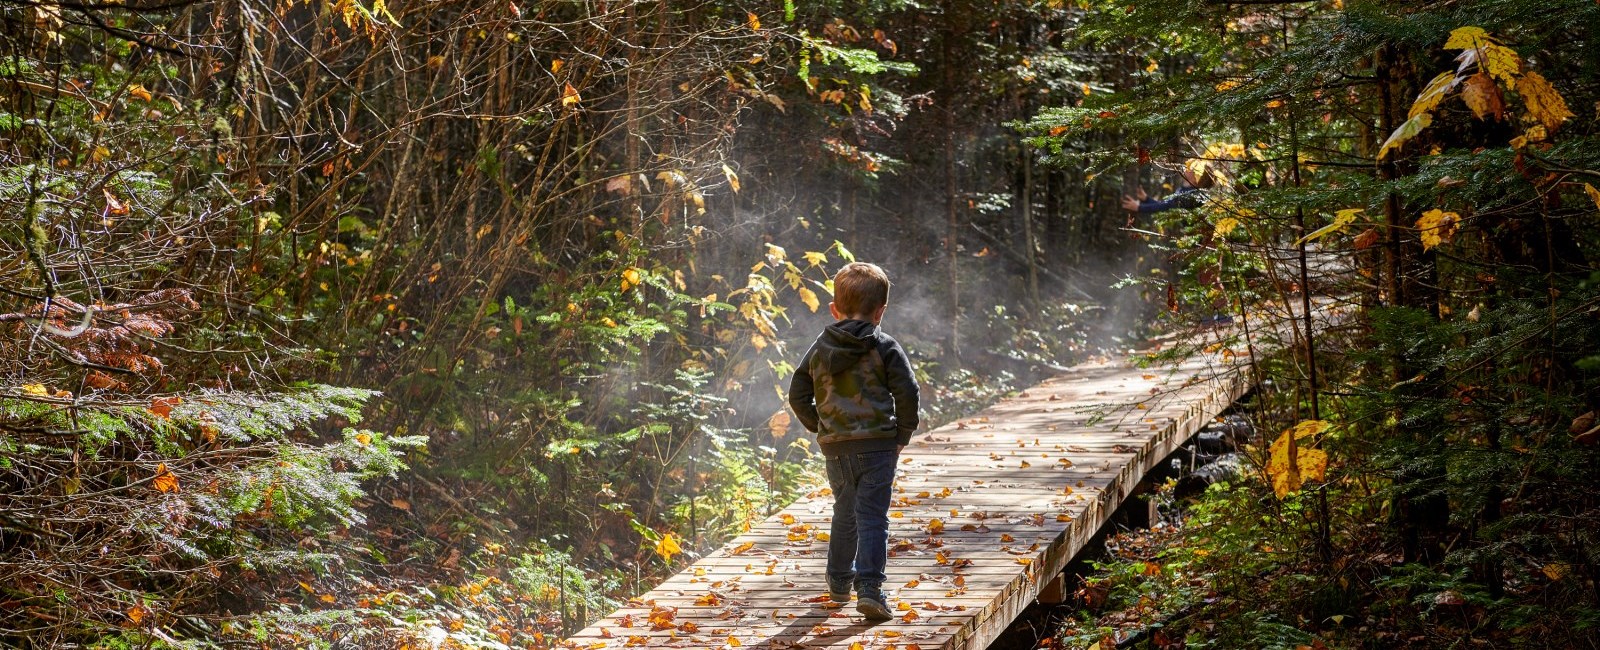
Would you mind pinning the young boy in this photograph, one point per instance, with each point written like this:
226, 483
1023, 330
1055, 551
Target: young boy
855, 390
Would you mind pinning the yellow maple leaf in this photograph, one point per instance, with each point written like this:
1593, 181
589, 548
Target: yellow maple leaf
1341, 219
734, 642
1544, 103
1433, 93
1407, 130
1437, 227
1502, 62
668, 547
1226, 225
1464, 38
809, 297
1311, 463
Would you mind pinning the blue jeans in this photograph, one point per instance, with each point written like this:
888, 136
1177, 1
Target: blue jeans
858, 542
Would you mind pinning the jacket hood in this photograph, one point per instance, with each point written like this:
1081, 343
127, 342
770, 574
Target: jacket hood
843, 344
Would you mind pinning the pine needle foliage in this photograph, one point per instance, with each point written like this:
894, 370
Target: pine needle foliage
1462, 487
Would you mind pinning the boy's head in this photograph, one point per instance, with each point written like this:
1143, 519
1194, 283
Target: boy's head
860, 291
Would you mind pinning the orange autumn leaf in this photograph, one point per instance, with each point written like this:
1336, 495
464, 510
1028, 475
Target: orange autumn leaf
910, 617
164, 481
162, 406
740, 549
734, 642
570, 97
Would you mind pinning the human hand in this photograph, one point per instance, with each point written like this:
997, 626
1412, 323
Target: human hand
1139, 194
1130, 204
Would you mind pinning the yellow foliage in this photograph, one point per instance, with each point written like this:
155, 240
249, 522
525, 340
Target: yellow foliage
809, 297
1465, 38
1311, 464
1437, 227
1502, 62
1594, 194
1433, 93
668, 547
570, 97
1341, 219
1409, 129
1226, 225
1544, 103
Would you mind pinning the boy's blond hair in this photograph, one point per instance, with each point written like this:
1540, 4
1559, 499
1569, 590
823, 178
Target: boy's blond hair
859, 289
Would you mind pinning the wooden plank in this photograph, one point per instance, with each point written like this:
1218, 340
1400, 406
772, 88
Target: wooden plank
1045, 468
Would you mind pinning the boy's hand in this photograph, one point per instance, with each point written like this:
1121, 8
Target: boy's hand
1130, 204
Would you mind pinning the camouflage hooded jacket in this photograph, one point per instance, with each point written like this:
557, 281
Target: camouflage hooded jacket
855, 390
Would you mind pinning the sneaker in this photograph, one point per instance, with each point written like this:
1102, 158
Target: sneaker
870, 604
839, 592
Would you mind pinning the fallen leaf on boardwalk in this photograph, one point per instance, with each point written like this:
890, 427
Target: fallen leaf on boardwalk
661, 617
903, 606
891, 634
734, 642
910, 617
913, 584
936, 527
940, 558
787, 519
823, 537
1024, 561
710, 599
1006, 537
913, 646
857, 646
1063, 517
740, 549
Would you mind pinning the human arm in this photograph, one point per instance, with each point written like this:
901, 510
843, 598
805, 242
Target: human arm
1131, 203
903, 386
802, 393
1182, 199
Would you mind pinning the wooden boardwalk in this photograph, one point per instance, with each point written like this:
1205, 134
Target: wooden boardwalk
987, 511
